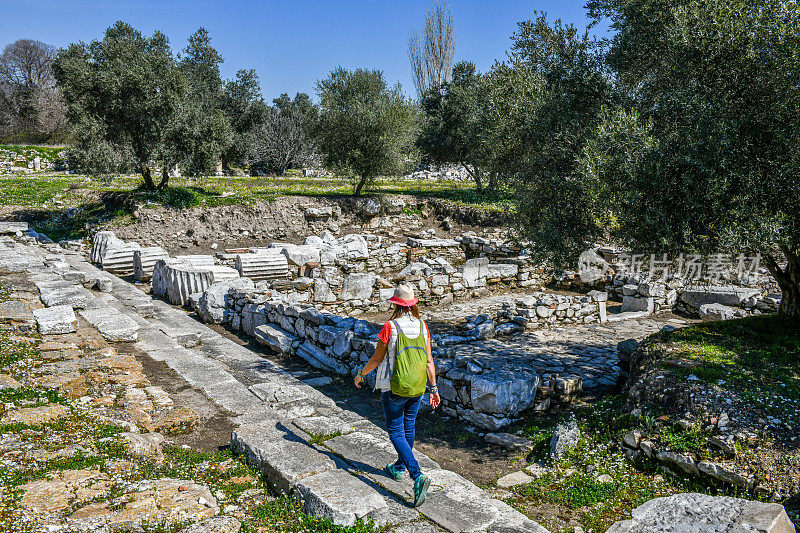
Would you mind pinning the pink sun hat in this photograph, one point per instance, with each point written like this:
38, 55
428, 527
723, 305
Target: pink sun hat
404, 296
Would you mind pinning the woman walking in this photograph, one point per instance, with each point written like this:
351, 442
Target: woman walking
405, 364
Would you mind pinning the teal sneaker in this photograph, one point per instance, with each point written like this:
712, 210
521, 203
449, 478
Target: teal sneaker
421, 485
394, 472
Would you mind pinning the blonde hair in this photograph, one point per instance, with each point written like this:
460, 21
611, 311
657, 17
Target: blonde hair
400, 310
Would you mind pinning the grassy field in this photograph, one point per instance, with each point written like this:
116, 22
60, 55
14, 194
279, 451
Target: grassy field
44, 190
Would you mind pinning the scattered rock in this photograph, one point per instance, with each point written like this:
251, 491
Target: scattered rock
513, 479
508, 441
565, 437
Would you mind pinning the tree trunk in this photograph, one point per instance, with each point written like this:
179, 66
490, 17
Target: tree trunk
164, 177
492, 182
361, 183
788, 279
476, 175
147, 177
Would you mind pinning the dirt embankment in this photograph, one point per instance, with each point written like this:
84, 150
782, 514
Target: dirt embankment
195, 230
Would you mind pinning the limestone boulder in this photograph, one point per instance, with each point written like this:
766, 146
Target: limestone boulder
565, 437
694, 297
717, 312
503, 392
393, 205
709, 514
213, 306
474, 272
357, 286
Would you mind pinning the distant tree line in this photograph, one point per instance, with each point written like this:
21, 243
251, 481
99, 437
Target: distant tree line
30, 108
132, 104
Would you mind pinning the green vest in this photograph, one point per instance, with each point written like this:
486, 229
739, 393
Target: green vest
411, 362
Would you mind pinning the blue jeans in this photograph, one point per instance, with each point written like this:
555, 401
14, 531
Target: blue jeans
401, 414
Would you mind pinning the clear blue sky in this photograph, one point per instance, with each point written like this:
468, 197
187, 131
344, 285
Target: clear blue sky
290, 43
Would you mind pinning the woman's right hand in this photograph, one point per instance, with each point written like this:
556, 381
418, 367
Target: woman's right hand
358, 380
435, 400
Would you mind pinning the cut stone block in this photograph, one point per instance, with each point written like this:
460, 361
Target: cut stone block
324, 425
636, 304
277, 339
368, 449
282, 456
726, 295
145, 259
475, 271
357, 286
112, 325
12, 227
71, 295
341, 498
56, 319
318, 358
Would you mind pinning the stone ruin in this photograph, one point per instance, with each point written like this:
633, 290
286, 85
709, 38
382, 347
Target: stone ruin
287, 318
315, 300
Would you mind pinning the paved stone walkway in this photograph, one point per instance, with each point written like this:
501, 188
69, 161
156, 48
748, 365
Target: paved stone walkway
585, 351
330, 458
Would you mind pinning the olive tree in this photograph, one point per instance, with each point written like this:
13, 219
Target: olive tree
364, 125
120, 92
543, 105
455, 122
703, 157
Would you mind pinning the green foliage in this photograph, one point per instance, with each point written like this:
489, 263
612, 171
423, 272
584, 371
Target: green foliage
455, 117
545, 104
364, 126
283, 514
119, 93
199, 132
682, 440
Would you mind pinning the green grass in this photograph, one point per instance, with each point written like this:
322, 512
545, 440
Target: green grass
319, 438
755, 357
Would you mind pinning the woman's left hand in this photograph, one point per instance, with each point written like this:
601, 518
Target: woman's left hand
358, 380
435, 400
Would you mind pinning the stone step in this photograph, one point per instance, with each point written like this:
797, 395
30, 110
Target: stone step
56, 319
627, 315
